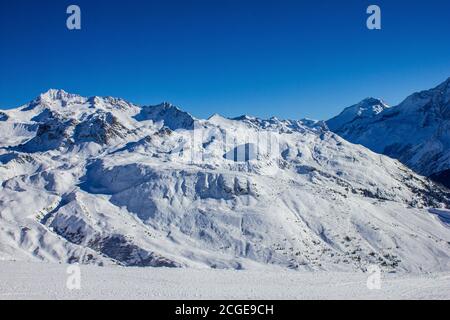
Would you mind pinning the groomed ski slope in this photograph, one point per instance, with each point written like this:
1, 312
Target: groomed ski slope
19, 280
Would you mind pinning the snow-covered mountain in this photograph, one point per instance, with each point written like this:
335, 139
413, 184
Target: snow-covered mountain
365, 110
104, 181
417, 131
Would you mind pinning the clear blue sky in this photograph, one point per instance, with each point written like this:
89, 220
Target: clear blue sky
290, 59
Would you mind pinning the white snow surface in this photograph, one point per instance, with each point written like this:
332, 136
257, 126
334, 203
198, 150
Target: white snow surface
32, 281
103, 181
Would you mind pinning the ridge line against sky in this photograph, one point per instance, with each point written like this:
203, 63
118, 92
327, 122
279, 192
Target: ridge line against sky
290, 59
231, 117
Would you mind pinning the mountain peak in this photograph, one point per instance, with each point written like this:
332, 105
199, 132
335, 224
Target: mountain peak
367, 108
56, 94
172, 117
244, 117
372, 101
166, 104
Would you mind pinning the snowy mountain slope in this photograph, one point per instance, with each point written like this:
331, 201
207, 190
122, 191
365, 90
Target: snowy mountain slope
103, 181
417, 131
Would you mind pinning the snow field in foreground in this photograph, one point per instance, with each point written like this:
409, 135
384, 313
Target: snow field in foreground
20, 280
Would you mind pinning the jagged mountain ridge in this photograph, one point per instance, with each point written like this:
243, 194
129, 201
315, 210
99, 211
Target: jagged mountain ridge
104, 181
417, 131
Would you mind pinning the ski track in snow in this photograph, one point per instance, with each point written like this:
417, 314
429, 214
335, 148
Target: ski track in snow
20, 280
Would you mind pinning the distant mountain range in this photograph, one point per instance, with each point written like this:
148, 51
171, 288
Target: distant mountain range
104, 181
416, 132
